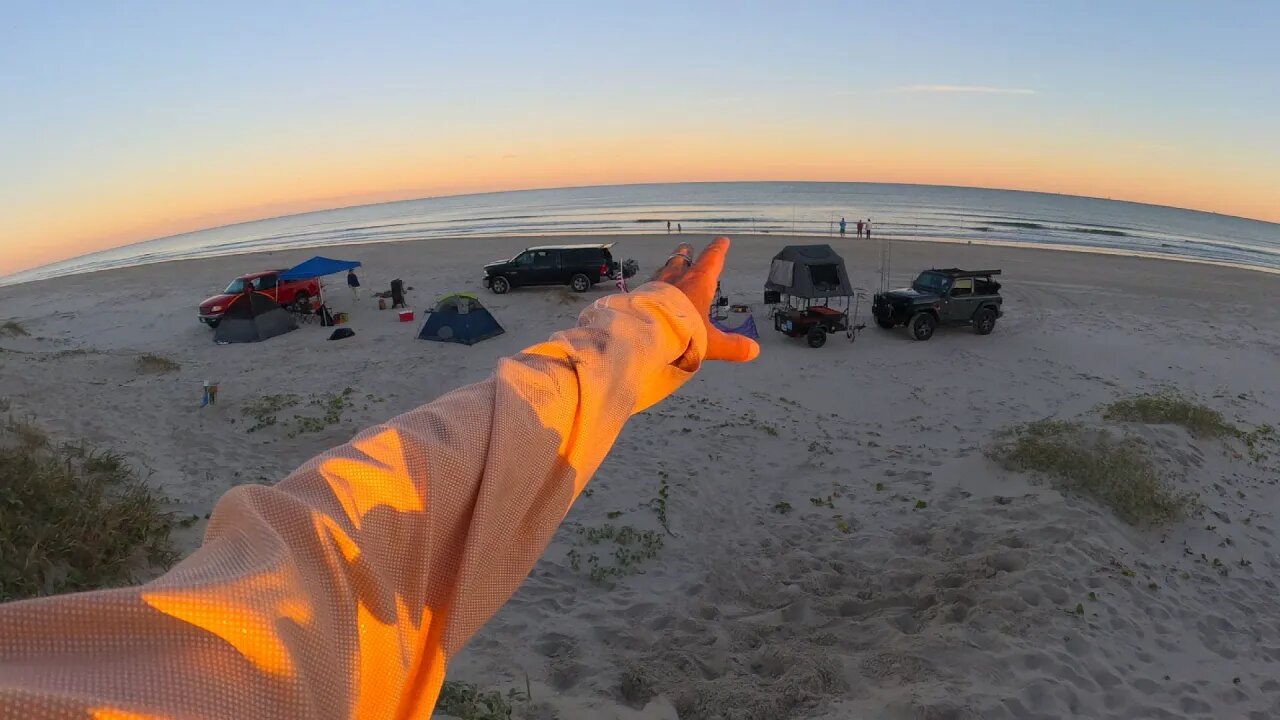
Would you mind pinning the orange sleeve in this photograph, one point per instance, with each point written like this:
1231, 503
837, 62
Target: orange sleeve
344, 590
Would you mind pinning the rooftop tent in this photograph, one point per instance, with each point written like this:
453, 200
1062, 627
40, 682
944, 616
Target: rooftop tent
459, 318
253, 317
809, 271
317, 266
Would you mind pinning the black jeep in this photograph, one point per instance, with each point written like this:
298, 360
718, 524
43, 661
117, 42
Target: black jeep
949, 296
578, 266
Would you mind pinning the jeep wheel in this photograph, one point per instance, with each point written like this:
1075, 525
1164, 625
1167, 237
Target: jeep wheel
985, 321
817, 336
922, 325
500, 285
886, 324
580, 283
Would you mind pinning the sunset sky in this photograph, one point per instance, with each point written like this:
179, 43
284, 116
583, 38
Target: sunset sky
128, 121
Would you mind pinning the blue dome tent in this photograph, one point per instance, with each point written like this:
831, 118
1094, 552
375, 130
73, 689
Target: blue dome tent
459, 318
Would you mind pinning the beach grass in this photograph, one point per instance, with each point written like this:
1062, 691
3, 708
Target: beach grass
1170, 407
72, 517
1115, 471
152, 363
466, 701
13, 328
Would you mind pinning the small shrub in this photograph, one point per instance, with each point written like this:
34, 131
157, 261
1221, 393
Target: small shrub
13, 328
467, 701
28, 436
73, 518
659, 503
156, 364
1115, 471
631, 548
1171, 408
782, 507
263, 410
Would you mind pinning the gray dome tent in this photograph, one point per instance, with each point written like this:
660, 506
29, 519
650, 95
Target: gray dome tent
809, 271
253, 317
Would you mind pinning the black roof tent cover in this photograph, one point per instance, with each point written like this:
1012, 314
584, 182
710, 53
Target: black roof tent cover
809, 271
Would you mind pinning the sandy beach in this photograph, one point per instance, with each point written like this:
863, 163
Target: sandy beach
824, 535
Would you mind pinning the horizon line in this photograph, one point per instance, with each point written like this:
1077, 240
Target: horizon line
609, 185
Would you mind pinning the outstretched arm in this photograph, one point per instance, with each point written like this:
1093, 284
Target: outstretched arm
345, 590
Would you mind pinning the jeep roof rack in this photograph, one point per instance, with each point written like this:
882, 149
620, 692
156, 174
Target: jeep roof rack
957, 272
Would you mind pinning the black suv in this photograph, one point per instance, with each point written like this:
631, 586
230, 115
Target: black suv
949, 296
578, 266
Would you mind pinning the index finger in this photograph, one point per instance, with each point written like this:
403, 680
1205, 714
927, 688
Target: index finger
711, 261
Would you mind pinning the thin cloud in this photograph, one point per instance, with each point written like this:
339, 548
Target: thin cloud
964, 89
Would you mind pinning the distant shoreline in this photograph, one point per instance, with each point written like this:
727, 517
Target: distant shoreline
658, 237
813, 209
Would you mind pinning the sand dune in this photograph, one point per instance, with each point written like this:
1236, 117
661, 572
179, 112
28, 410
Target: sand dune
819, 534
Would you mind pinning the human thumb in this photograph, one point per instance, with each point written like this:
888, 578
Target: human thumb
731, 347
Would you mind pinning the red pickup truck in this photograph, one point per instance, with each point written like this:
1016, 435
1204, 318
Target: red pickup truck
288, 292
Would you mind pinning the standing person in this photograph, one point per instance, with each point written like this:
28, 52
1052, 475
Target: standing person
353, 282
345, 590
680, 227
668, 227
841, 227
868, 226
859, 228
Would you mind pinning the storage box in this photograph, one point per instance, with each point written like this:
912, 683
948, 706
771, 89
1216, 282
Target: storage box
406, 316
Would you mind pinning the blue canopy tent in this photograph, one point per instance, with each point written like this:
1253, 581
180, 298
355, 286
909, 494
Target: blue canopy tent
316, 267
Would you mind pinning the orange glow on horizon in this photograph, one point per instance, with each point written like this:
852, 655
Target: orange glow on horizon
134, 209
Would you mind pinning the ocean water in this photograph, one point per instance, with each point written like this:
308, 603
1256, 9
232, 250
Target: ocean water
920, 212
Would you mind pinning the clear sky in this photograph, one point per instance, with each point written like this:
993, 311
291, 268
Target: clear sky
127, 121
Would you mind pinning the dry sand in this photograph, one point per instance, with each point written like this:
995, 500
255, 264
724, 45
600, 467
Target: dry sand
962, 608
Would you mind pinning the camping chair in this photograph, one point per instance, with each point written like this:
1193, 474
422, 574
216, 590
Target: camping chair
304, 312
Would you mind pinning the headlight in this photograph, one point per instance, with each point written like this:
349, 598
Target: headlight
216, 308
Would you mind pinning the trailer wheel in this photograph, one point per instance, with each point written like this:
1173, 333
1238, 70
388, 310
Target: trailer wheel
817, 336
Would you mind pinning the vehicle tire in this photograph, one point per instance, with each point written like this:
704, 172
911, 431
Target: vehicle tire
886, 324
984, 321
580, 283
817, 336
301, 301
921, 325
500, 285
213, 324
